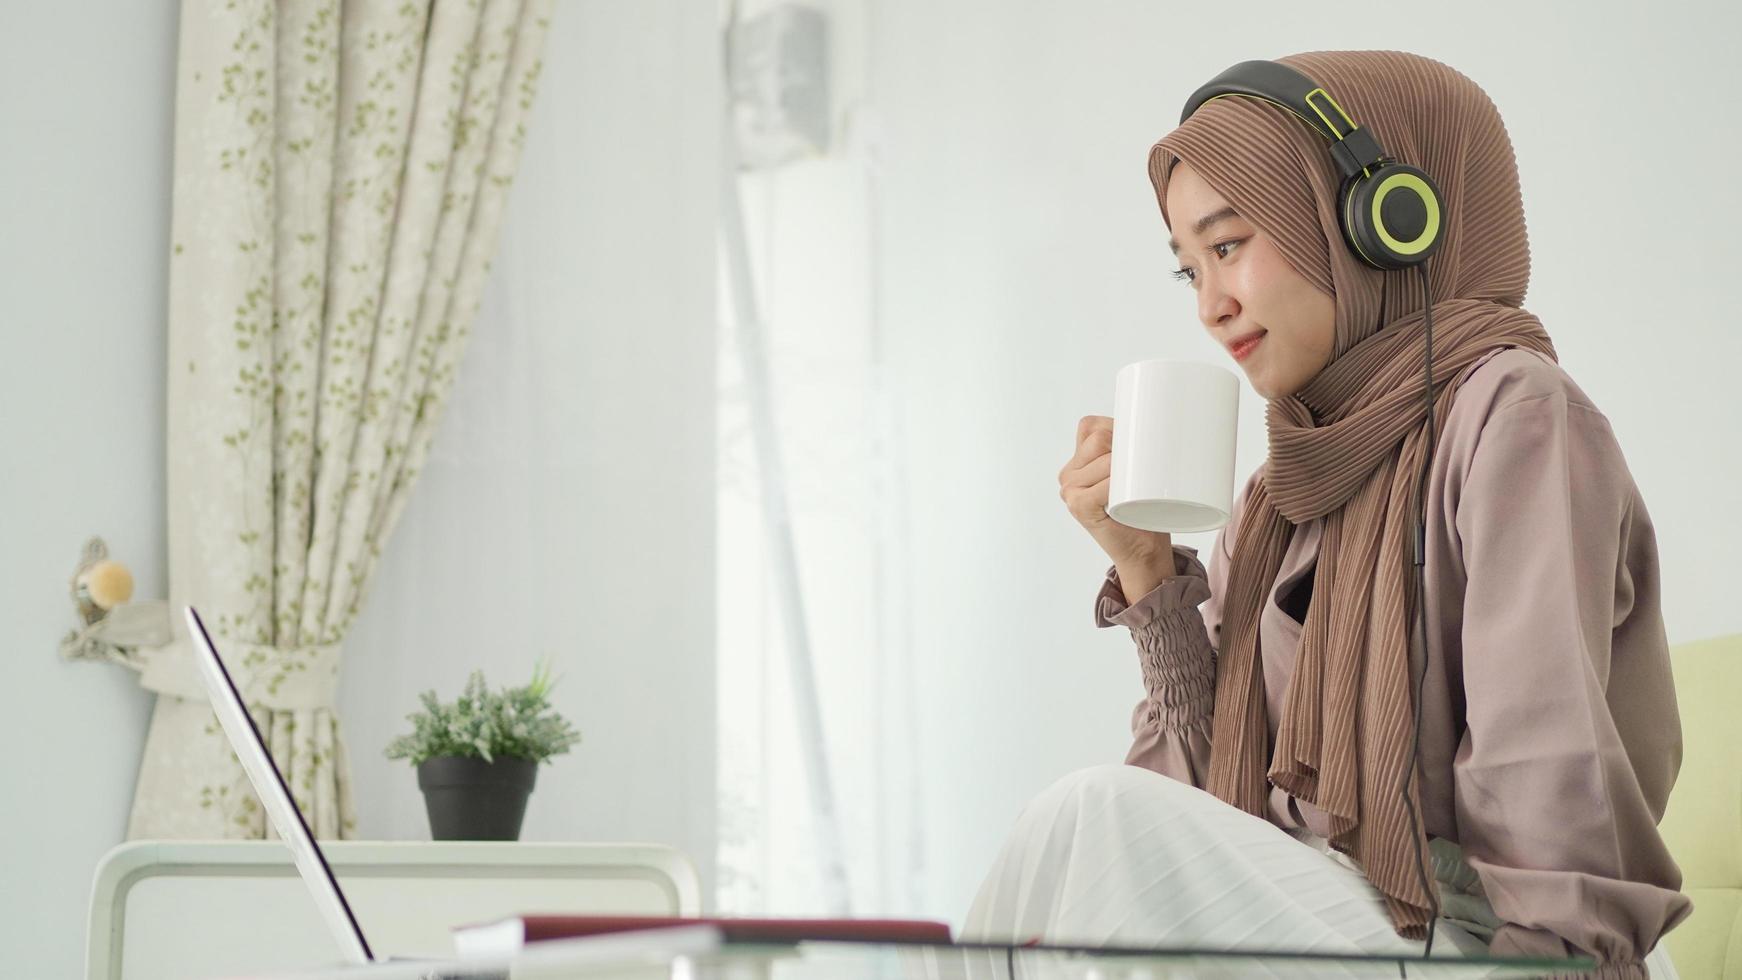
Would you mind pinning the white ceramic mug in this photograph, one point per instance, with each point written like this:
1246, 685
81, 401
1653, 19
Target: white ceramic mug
1173, 446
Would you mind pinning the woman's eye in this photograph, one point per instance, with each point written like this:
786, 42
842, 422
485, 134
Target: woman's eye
1189, 275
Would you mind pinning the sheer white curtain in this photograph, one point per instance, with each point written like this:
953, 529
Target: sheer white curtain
809, 226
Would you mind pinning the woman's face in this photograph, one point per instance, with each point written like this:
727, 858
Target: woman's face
1246, 287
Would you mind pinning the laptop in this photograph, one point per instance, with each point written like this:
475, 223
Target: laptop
577, 944
281, 809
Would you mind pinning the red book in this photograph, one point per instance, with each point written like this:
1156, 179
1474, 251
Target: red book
505, 937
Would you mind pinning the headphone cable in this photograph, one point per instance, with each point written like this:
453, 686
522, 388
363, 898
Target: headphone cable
1421, 607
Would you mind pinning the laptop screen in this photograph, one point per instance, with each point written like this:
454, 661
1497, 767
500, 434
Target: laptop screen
275, 796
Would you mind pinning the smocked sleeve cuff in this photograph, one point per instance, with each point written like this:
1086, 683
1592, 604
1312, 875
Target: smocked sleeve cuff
1516, 940
1187, 589
1630, 970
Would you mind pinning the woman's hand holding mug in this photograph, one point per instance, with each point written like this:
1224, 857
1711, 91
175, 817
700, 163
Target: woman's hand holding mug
1143, 558
1170, 470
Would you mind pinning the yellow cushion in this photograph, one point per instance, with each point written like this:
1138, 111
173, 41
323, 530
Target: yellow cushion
1705, 944
1702, 823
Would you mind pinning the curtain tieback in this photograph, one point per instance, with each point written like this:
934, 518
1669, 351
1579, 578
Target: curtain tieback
299, 678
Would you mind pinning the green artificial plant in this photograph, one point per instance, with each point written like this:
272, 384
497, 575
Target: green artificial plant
515, 722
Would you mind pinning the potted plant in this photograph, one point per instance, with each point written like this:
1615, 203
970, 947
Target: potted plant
476, 757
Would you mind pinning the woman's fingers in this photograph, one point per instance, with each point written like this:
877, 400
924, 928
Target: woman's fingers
1094, 471
1094, 438
1088, 422
1088, 504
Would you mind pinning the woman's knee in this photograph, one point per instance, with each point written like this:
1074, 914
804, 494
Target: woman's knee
1123, 776
1112, 781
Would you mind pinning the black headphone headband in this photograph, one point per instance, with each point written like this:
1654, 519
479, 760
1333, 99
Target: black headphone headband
1390, 212
1354, 148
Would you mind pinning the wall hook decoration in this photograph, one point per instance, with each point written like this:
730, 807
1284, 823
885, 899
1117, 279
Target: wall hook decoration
112, 628
99, 582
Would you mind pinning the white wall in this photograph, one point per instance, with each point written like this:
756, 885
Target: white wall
85, 116
1023, 259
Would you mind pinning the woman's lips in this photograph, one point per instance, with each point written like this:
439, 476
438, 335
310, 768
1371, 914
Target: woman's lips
1243, 349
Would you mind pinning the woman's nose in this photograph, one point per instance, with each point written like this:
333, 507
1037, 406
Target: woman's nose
1215, 304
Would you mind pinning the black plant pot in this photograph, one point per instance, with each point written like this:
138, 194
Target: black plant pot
470, 799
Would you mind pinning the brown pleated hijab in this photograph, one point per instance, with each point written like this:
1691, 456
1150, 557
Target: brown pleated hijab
1349, 446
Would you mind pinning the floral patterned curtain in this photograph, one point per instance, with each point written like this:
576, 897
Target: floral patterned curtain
340, 175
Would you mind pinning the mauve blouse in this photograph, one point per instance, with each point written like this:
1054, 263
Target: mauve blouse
1549, 731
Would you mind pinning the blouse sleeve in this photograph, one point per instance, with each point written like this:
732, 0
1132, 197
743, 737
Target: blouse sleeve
1176, 627
1573, 738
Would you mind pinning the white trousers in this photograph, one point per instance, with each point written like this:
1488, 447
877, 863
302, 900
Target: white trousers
1121, 855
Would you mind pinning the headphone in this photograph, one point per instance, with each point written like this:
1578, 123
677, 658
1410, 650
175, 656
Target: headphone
1389, 211
1390, 216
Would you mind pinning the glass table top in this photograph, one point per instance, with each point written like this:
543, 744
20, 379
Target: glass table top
699, 953
986, 961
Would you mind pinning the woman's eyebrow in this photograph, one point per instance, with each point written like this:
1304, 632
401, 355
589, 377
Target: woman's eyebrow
1205, 222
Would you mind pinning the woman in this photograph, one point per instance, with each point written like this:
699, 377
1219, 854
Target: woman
1263, 802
